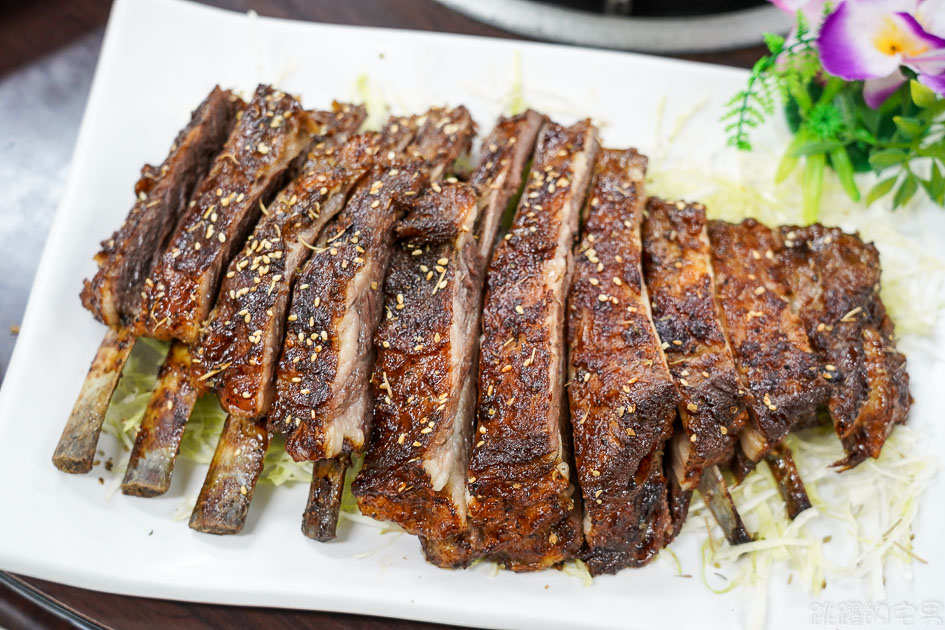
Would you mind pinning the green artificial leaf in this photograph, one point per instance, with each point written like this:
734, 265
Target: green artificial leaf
922, 95
871, 117
774, 42
864, 135
860, 156
881, 189
840, 161
909, 127
813, 185
935, 185
886, 158
906, 190
825, 121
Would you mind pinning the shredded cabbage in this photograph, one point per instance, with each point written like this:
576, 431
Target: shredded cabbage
861, 519
130, 400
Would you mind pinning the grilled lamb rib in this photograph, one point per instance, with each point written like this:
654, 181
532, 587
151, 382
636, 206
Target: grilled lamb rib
223, 505
779, 372
427, 347
127, 258
179, 293
113, 295
350, 260
834, 279
679, 279
242, 340
522, 501
156, 446
322, 393
623, 400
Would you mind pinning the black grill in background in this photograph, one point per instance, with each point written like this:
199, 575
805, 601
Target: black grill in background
656, 8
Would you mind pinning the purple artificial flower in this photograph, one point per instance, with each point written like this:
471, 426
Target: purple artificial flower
812, 10
873, 39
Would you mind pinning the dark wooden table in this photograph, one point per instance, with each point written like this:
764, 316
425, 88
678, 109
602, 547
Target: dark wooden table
31, 31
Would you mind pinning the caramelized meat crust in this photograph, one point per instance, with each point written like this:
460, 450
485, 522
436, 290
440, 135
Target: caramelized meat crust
424, 389
773, 354
127, 258
835, 279
678, 273
240, 344
271, 133
428, 344
519, 480
622, 396
323, 398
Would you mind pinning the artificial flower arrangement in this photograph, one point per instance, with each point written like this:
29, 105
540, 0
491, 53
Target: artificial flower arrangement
862, 85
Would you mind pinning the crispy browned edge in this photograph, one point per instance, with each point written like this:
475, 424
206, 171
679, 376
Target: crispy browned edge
241, 342
522, 502
393, 483
161, 195
835, 282
178, 295
623, 400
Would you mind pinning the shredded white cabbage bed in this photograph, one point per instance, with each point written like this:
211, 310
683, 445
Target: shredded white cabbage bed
205, 424
861, 520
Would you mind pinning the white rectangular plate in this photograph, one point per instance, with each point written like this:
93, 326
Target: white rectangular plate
158, 61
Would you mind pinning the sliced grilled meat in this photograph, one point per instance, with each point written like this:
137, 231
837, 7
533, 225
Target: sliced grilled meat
834, 279
323, 398
498, 176
679, 278
623, 400
427, 347
779, 371
521, 496
241, 434
228, 340
349, 260
242, 340
678, 270
424, 392
127, 258
178, 295
113, 295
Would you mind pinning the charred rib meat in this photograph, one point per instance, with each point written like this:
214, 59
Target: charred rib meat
623, 401
425, 380
521, 496
834, 280
271, 133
